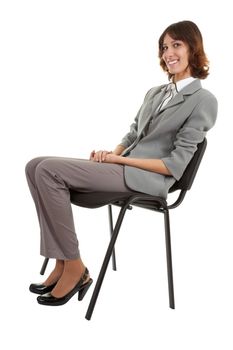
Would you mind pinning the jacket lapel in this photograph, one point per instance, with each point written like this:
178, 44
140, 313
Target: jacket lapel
176, 100
180, 97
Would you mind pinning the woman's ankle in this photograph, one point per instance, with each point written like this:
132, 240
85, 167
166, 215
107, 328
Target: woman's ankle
55, 274
75, 267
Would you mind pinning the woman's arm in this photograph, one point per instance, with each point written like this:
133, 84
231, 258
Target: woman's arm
154, 165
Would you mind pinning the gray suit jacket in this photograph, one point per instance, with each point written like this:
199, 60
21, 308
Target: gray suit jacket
171, 135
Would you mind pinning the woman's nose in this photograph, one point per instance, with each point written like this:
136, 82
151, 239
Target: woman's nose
169, 52
168, 55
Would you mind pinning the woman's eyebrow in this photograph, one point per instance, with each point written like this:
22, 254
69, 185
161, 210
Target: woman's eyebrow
172, 42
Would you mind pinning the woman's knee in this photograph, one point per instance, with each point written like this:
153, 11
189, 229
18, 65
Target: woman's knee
31, 166
46, 166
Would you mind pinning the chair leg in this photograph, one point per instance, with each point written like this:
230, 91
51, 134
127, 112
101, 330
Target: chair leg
111, 232
105, 262
169, 259
43, 268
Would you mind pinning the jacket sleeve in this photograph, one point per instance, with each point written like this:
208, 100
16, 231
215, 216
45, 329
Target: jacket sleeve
190, 134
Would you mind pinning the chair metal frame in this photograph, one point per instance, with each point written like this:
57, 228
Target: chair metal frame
127, 201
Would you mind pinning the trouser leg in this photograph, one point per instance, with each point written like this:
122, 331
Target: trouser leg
53, 179
30, 171
45, 228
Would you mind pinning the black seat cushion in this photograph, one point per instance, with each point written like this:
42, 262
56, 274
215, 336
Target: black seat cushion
99, 199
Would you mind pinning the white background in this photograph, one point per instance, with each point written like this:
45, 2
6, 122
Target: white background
73, 76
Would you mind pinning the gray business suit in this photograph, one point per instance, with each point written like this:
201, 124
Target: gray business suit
171, 135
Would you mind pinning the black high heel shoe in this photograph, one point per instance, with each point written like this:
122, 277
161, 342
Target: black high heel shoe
41, 288
81, 287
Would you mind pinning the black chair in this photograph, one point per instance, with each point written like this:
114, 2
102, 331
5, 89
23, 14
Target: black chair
126, 201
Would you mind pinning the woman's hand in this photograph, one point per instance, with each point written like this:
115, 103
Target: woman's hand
105, 157
99, 156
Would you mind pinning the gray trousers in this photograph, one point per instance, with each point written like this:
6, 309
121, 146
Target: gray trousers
49, 180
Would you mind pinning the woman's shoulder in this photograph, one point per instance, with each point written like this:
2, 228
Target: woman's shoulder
208, 93
205, 97
195, 88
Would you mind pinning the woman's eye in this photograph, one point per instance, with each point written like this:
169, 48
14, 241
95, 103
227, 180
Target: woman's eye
164, 48
176, 45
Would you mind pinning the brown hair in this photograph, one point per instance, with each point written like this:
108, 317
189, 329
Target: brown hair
189, 33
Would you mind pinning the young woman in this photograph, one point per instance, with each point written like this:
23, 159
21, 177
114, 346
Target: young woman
172, 120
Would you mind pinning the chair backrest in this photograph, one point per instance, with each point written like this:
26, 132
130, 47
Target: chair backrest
186, 181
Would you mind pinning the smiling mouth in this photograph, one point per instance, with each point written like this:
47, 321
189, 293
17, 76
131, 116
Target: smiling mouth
171, 63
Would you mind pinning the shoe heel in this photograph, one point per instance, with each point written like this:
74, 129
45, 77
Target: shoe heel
82, 291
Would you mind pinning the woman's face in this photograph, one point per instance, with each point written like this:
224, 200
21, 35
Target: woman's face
176, 58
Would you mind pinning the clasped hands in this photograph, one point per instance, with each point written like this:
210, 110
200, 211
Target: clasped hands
105, 157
